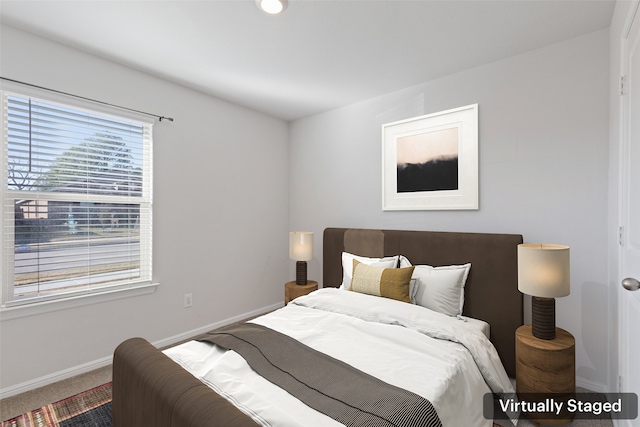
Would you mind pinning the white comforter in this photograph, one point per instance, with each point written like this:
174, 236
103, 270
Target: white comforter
436, 356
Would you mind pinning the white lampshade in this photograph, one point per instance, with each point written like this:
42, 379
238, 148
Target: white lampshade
543, 270
301, 245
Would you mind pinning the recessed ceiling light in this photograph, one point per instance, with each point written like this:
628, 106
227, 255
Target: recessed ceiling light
272, 7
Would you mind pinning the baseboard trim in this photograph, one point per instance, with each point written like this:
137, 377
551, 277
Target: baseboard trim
55, 377
198, 331
591, 386
105, 361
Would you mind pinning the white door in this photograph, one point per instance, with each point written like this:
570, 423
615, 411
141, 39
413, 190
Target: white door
629, 302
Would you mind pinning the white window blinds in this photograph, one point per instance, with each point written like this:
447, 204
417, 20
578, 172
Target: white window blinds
76, 212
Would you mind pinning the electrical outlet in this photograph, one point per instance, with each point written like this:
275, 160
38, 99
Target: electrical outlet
188, 300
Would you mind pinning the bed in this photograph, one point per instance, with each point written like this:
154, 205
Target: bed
439, 361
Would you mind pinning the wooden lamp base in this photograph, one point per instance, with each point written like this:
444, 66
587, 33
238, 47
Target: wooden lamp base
543, 318
301, 272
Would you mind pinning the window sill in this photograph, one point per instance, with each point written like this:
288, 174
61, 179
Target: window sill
36, 308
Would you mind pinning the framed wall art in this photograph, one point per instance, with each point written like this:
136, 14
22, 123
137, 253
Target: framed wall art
431, 162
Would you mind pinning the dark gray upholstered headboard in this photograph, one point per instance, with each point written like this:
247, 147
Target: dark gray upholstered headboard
491, 291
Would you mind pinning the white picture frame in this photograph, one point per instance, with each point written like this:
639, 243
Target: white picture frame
431, 162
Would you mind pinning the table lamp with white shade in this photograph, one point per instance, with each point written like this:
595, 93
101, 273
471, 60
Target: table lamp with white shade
543, 273
301, 251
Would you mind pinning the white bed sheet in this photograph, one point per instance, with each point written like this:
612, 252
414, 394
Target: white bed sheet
446, 360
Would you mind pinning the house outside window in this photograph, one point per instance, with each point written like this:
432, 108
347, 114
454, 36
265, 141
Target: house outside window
76, 200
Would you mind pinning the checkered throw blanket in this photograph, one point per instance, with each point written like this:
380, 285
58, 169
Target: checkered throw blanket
332, 387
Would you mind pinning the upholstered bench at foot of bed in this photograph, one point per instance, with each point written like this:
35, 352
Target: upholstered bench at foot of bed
150, 389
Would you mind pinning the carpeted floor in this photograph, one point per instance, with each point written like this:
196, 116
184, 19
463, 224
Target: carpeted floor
91, 408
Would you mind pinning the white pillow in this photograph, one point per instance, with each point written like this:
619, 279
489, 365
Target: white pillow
439, 288
413, 285
347, 266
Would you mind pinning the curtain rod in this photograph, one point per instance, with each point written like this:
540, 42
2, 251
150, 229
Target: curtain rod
160, 118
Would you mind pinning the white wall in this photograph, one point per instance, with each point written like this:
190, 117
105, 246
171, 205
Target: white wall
543, 144
544, 131
220, 216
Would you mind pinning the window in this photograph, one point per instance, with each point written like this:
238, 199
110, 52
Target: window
76, 201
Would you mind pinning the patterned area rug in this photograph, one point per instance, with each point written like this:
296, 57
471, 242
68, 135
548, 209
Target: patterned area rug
91, 408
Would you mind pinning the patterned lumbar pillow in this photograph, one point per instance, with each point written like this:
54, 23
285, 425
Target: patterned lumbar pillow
385, 282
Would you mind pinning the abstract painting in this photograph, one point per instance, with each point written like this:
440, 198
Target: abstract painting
431, 162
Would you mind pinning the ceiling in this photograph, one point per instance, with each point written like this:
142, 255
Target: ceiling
317, 55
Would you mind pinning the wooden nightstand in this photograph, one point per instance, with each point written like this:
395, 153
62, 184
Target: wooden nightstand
546, 366
292, 290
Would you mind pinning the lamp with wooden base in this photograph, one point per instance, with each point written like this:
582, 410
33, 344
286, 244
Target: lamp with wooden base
543, 273
545, 355
301, 251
